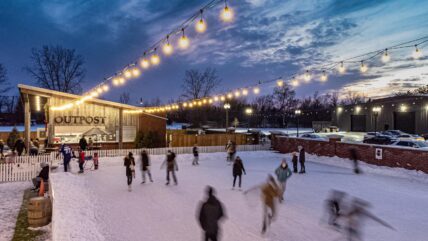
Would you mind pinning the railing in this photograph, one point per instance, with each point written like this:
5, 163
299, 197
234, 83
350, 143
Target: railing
24, 168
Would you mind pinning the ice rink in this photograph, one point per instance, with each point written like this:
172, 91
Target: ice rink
97, 205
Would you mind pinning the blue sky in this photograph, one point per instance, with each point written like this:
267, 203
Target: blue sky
268, 38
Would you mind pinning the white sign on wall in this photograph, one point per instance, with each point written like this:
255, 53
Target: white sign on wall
378, 154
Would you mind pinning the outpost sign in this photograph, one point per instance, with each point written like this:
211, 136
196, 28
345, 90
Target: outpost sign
80, 120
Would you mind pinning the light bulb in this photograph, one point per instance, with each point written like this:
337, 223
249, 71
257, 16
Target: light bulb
136, 72
184, 42
94, 94
324, 76
116, 81
342, 68
167, 48
230, 96
222, 98
105, 88
307, 76
226, 14
155, 59
244, 92
127, 74
385, 56
237, 93
280, 83
256, 90
145, 63
215, 98
201, 26
417, 53
99, 90
294, 82
363, 67
121, 80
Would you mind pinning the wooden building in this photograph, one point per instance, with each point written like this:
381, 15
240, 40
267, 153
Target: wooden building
107, 124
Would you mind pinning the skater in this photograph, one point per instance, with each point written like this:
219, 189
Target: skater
355, 217
43, 175
333, 206
294, 160
1, 149
171, 166
302, 159
231, 150
83, 144
81, 161
238, 168
195, 155
67, 154
210, 213
282, 174
129, 163
19, 146
354, 158
95, 160
145, 166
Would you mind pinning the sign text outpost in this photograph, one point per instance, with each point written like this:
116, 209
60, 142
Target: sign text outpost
80, 120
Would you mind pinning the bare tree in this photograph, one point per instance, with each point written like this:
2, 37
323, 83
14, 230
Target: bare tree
57, 68
197, 85
4, 85
125, 98
353, 98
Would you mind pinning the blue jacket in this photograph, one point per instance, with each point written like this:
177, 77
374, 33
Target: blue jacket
282, 173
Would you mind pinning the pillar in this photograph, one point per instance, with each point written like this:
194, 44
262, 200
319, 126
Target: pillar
120, 128
27, 122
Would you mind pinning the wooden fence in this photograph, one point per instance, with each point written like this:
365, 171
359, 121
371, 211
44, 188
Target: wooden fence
24, 168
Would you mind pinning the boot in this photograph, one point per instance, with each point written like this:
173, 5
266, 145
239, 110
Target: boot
129, 188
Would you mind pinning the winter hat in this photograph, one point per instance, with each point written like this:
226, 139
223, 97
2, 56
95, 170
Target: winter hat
210, 191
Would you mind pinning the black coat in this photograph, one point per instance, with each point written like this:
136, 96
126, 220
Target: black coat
19, 145
145, 161
83, 144
238, 167
302, 155
44, 173
127, 163
170, 162
294, 160
211, 212
195, 151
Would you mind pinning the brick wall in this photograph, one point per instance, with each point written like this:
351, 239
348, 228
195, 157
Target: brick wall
411, 159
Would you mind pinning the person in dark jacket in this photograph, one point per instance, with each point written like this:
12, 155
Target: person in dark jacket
145, 166
43, 175
238, 168
83, 144
302, 159
354, 158
67, 154
210, 213
171, 166
333, 207
19, 146
195, 155
294, 160
129, 164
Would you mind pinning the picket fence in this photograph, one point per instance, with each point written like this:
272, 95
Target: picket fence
24, 168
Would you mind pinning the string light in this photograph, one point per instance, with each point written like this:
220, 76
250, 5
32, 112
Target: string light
227, 13
127, 74
307, 76
145, 63
363, 67
216, 98
229, 95
417, 53
294, 82
155, 59
201, 26
244, 92
136, 72
99, 90
167, 48
222, 98
342, 68
280, 83
116, 81
237, 93
105, 88
184, 41
121, 80
256, 90
324, 76
385, 56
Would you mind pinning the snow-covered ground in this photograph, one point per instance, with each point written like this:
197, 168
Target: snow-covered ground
97, 205
11, 195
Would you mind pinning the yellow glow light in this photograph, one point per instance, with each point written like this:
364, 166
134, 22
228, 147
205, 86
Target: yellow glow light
184, 42
191, 105
324, 76
385, 56
403, 108
417, 53
145, 64
94, 94
204, 101
244, 92
280, 83
222, 98
294, 82
363, 67
342, 68
226, 14
339, 109
105, 88
237, 93
199, 103
229, 95
307, 76
116, 81
357, 109
256, 90
248, 111
215, 98
210, 101
99, 90
136, 72
121, 80
201, 26
127, 74
184, 104
167, 48
155, 59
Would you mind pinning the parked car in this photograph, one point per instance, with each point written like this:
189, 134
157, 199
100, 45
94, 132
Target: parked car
409, 137
312, 136
395, 133
369, 135
414, 144
380, 140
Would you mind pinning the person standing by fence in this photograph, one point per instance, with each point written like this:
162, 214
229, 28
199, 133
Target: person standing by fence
129, 164
171, 166
67, 153
302, 159
295, 161
19, 146
195, 155
145, 166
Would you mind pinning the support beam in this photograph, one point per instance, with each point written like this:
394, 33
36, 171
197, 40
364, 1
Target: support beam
120, 128
27, 121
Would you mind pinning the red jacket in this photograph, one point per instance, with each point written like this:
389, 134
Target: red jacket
82, 157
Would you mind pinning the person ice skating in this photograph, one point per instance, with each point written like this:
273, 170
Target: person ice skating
81, 161
210, 213
83, 144
302, 159
195, 155
43, 175
145, 166
95, 160
238, 169
282, 174
171, 166
354, 158
333, 207
357, 213
67, 154
129, 164
231, 150
295, 161
19, 146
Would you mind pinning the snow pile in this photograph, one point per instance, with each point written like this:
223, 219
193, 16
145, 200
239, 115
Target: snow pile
11, 195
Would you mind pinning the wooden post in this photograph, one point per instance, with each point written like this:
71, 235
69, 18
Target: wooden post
120, 128
27, 122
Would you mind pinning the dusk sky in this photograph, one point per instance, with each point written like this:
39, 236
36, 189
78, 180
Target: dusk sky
268, 38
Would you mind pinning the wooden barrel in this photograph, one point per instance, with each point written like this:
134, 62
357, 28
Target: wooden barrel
39, 211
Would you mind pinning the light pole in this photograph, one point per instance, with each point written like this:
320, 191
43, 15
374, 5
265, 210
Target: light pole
297, 113
249, 112
227, 108
376, 111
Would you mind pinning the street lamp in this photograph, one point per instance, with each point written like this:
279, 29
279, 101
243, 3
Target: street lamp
249, 112
297, 113
376, 111
227, 108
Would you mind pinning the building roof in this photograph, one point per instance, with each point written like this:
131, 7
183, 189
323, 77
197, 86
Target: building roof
413, 97
42, 92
